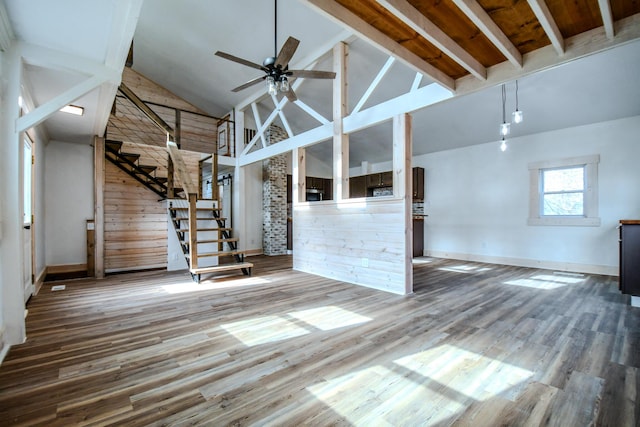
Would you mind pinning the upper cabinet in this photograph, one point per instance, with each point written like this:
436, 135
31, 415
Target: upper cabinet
377, 180
363, 185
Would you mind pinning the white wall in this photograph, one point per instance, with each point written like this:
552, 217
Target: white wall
68, 201
477, 199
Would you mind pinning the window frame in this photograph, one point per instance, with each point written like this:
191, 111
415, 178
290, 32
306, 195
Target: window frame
590, 199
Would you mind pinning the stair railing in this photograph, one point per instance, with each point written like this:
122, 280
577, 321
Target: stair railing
192, 194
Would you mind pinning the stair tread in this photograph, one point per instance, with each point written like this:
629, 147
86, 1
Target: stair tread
114, 145
200, 218
185, 230
232, 239
198, 209
218, 254
129, 155
147, 168
223, 267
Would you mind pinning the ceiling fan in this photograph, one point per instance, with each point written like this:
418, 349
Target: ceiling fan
276, 68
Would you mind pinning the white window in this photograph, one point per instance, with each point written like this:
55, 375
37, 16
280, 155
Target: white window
564, 192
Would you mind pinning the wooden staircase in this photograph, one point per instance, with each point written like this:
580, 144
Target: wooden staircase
212, 236
130, 164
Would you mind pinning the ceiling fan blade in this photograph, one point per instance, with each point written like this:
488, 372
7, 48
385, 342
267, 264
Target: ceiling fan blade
291, 95
239, 60
286, 53
248, 84
312, 74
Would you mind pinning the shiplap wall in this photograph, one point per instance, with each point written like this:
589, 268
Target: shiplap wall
135, 221
338, 240
135, 230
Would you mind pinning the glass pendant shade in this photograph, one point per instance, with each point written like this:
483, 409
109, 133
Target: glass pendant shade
503, 146
505, 128
284, 84
272, 89
518, 116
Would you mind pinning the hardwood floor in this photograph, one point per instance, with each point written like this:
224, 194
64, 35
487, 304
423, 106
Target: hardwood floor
475, 345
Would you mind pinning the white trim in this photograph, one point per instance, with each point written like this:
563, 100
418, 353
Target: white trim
416, 82
590, 218
50, 107
310, 111
4, 346
374, 84
607, 270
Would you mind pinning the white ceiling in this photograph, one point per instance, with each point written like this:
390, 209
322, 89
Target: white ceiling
174, 45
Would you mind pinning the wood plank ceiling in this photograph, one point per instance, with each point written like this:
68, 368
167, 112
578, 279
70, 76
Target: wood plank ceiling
449, 40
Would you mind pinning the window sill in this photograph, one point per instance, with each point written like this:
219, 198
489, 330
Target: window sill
559, 221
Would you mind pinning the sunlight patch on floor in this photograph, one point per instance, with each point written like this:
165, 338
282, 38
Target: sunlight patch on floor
466, 268
441, 382
262, 330
546, 281
184, 287
329, 317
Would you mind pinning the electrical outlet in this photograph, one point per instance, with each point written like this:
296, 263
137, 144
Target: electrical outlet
365, 262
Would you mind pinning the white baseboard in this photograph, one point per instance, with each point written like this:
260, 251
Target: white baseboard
606, 270
4, 347
40, 280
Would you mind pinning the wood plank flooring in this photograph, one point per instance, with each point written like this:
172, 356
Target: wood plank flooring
475, 345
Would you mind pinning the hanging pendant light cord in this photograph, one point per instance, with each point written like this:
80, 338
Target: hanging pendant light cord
516, 95
504, 100
275, 30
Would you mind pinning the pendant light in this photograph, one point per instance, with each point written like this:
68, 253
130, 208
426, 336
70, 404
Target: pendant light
518, 115
505, 127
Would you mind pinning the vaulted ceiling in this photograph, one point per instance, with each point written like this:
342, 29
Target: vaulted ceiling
576, 62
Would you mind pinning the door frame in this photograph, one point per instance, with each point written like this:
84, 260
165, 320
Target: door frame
27, 140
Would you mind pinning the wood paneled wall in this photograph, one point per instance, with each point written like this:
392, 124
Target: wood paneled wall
135, 231
126, 123
355, 241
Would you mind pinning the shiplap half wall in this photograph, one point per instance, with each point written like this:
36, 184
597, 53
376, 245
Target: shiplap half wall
360, 241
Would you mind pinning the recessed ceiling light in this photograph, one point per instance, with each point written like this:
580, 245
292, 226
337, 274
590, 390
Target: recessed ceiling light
73, 109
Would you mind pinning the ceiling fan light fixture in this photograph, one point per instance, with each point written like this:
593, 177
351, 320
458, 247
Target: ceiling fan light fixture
272, 88
284, 84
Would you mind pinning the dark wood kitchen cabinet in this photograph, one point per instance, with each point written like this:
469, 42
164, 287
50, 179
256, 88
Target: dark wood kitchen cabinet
382, 179
418, 237
418, 184
630, 257
357, 186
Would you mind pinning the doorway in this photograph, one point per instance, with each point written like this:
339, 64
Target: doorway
28, 161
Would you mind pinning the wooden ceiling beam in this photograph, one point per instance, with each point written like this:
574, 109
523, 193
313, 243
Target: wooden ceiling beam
490, 29
607, 18
542, 12
431, 32
343, 16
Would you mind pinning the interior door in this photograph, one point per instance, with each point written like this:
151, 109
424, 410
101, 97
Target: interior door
27, 236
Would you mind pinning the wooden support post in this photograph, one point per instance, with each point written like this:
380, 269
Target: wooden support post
402, 187
340, 139
193, 231
98, 210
